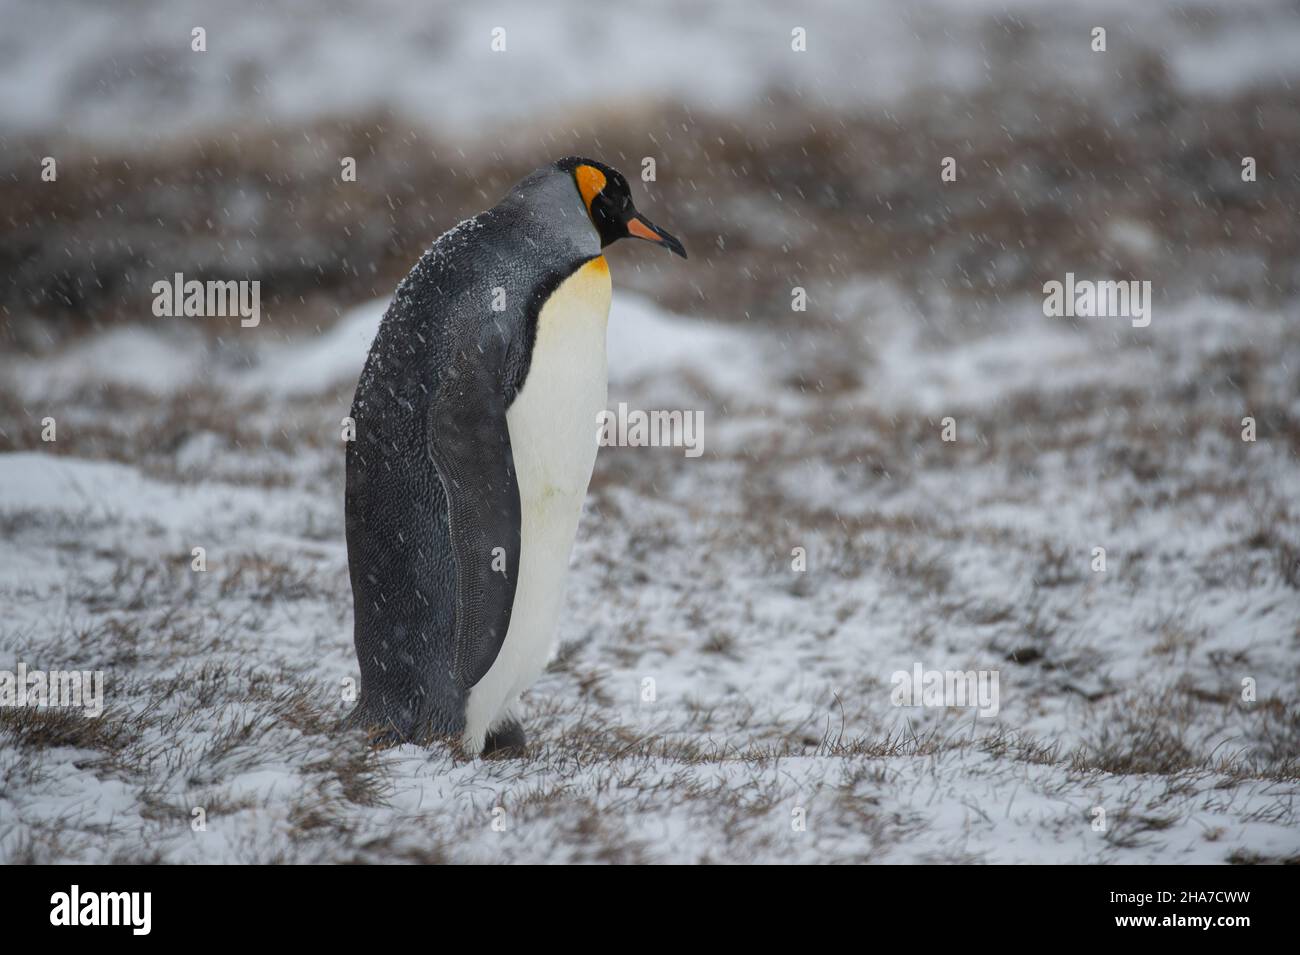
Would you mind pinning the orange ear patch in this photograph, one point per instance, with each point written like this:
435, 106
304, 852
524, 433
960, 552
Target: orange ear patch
590, 181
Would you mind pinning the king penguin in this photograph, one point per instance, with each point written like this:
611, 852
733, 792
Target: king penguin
475, 438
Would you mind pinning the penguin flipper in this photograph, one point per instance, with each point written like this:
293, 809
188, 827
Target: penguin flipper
468, 438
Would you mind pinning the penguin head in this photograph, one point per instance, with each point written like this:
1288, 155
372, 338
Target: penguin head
608, 200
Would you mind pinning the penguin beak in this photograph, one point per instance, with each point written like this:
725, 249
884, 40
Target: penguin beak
639, 227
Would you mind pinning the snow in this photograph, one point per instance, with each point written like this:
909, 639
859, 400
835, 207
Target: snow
1160, 689
76, 71
313, 366
132, 356
788, 654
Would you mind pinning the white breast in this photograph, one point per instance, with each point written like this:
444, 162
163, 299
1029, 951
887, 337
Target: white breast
553, 429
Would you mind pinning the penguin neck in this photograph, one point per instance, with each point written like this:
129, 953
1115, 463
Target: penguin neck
564, 390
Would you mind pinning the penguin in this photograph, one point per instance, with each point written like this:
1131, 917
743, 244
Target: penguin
475, 437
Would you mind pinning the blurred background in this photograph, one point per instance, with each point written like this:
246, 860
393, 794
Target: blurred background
817, 169
819, 165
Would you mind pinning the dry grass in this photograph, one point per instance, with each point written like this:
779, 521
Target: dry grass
1118, 689
1044, 190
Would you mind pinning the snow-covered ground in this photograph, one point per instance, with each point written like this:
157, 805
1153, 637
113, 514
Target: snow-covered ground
724, 685
70, 66
1119, 690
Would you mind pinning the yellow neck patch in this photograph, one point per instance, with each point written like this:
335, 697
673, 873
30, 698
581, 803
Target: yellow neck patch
590, 181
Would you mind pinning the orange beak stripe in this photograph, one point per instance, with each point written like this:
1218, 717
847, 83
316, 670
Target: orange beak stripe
590, 181
639, 229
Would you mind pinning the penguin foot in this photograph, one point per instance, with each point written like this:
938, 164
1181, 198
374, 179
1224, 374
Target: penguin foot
507, 741
378, 736
380, 731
